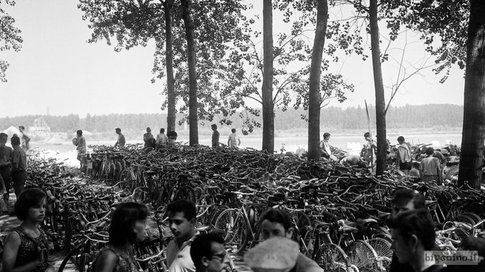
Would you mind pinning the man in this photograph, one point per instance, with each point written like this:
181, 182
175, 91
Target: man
325, 147
6, 154
233, 141
121, 138
172, 138
148, 138
277, 223
208, 253
181, 218
25, 139
430, 168
19, 166
161, 138
413, 234
404, 158
80, 143
215, 136
368, 151
402, 201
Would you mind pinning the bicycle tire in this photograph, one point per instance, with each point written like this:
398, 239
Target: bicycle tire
476, 218
383, 249
232, 223
332, 258
362, 255
465, 219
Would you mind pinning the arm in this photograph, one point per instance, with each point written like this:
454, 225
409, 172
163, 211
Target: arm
105, 262
12, 244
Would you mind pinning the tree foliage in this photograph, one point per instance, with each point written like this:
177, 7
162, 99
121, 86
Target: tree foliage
10, 38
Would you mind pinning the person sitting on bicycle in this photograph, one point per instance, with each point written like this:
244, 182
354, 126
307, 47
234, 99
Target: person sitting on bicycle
208, 252
402, 201
413, 234
181, 218
276, 222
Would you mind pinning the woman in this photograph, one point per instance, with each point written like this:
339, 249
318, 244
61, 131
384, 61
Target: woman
128, 226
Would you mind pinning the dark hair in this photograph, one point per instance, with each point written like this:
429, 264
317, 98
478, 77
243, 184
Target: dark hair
149, 129
417, 222
15, 140
172, 134
326, 135
21, 127
162, 130
27, 199
80, 132
400, 139
214, 126
416, 164
277, 216
233, 130
429, 151
185, 206
403, 196
3, 136
202, 247
367, 134
123, 221
118, 129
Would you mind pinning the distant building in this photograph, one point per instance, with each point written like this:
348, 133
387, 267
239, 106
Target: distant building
39, 128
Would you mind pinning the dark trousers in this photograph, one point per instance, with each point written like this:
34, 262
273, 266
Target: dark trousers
5, 181
19, 178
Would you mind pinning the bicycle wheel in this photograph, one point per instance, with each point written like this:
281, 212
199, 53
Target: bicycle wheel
232, 223
383, 249
332, 258
302, 224
362, 255
465, 219
476, 218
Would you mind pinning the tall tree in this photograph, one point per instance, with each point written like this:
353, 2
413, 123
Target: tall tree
267, 92
314, 91
10, 38
473, 138
171, 99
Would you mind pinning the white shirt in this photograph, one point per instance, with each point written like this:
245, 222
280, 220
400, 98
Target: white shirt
178, 259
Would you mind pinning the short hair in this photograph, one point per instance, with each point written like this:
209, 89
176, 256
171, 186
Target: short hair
15, 140
367, 134
3, 136
185, 206
123, 221
172, 134
277, 216
400, 139
326, 135
162, 130
233, 130
202, 247
417, 222
214, 126
21, 127
118, 129
403, 196
149, 129
80, 132
416, 164
429, 151
27, 199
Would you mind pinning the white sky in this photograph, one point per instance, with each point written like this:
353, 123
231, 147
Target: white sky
59, 70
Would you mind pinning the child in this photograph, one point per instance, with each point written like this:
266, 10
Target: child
26, 247
128, 226
19, 166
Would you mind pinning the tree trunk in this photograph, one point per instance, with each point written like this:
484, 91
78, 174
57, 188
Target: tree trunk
379, 89
268, 105
189, 30
314, 98
473, 137
169, 65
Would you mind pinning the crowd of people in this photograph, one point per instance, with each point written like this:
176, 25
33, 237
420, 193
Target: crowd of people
412, 229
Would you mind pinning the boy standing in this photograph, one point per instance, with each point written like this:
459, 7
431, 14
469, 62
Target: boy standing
5, 171
215, 136
121, 138
404, 155
430, 168
80, 143
19, 166
233, 141
181, 218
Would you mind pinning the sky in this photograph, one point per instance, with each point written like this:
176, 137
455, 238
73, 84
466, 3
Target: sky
59, 73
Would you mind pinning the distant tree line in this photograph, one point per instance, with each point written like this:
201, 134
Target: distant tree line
332, 118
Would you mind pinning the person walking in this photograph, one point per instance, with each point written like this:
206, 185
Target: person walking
121, 138
80, 142
233, 141
128, 227
19, 166
430, 168
6, 154
215, 136
404, 155
161, 138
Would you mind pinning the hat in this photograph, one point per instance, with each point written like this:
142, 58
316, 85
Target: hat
277, 254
